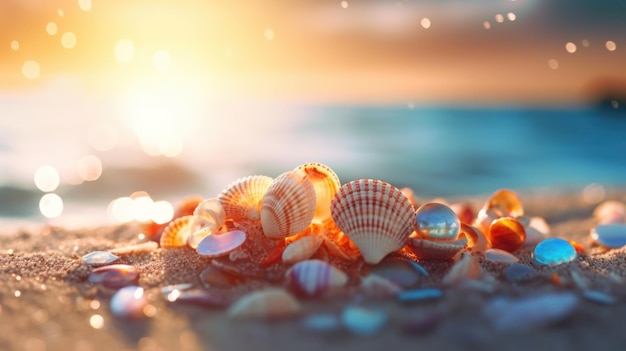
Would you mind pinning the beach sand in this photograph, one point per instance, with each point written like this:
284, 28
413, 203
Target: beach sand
47, 303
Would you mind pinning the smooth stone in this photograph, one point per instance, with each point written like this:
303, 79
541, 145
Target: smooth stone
530, 313
518, 272
500, 256
599, 297
321, 323
437, 221
401, 272
216, 245
363, 321
115, 276
610, 235
129, 302
553, 251
169, 288
420, 295
99, 258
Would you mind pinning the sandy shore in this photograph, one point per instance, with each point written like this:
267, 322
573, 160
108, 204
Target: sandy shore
47, 303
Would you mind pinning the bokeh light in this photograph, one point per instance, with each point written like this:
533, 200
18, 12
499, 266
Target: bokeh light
511, 16
51, 205
121, 209
610, 45
47, 178
344, 4
68, 40
84, 5
268, 34
162, 60
499, 18
15, 45
124, 51
425, 23
51, 28
553, 64
570, 47
96, 321
486, 25
89, 168
162, 212
31, 69
142, 208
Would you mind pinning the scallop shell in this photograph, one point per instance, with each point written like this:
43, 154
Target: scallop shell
242, 198
177, 232
435, 250
326, 184
268, 303
288, 206
313, 278
302, 248
375, 215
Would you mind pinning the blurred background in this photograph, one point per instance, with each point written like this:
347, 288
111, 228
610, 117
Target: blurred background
115, 110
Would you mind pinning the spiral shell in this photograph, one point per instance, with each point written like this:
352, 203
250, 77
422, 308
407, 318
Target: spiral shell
242, 198
375, 215
326, 184
288, 205
177, 232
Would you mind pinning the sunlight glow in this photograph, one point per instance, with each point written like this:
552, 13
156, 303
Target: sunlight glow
84, 5
553, 64
511, 16
120, 209
89, 168
142, 208
162, 60
68, 40
102, 137
344, 4
425, 22
486, 25
51, 205
60, 12
15, 45
51, 28
31, 70
162, 212
499, 18
610, 45
124, 51
570, 47
268, 34
47, 178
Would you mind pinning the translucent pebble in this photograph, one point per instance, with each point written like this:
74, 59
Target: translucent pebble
99, 257
420, 295
610, 235
518, 272
129, 302
363, 321
529, 313
115, 276
553, 251
599, 297
216, 245
321, 323
500, 256
506, 233
437, 222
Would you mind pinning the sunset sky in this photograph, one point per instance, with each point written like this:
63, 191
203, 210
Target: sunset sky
372, 51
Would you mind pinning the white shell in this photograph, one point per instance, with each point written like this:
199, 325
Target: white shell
312, 278
375, 215
302, 248
242, 198
273, 302
326, 184
288, 206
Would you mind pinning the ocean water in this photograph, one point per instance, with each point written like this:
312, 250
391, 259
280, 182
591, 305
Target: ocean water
437, 151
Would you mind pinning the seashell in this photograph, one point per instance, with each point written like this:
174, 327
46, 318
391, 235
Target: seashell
196, 237
312, 278
539, 224
375, 215
363, 321
99, 258
177, 232
404, 273
436, 221
216, 245
115, 276
410, 194
609, 235
506, 233
302, 249
502, 203
464, 269
553, 251
484, 218
610, 212
288, 206
376, 285
129, 302
418, 295
212, 277
435, 250
326, 184
208, 214
533, 236
518, 272
500, 256
268, 303
464, 212
528, 313
475, 237
242, 198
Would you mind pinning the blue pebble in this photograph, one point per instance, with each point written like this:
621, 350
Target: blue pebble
420, 295
553, 251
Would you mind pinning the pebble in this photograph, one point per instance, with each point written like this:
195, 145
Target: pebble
323, 323
363, 321
401, 272
599, 297
99, 258
422, 294
129, 302
437, 221
553, 251
518, 272
199, 297
115, 276
610, 235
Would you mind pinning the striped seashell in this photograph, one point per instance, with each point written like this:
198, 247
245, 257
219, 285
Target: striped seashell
288, 205
268, 303
326, 184
312, 278
302, 249
375, 215
177, 232
435, 250
242, 198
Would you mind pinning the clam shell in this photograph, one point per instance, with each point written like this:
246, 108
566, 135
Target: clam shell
435, 250
302, 248
312, 278
216, 245
326, 184
242, 198
268, 303
375, 215
288, 206
177, 232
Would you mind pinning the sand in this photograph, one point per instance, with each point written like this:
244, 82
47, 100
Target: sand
47, 303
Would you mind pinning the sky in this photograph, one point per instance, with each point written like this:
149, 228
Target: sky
362, 51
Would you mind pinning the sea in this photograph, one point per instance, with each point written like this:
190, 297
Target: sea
438, 151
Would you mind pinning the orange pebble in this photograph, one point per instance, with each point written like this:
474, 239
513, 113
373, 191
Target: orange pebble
507, 234
580, 249
555, 279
